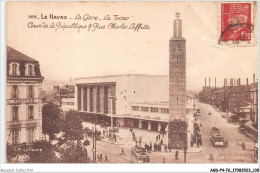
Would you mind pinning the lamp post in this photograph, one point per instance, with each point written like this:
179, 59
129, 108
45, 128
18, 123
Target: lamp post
95, 139
185, 144
94, 142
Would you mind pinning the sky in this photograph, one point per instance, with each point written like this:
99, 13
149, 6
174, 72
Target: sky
65, 54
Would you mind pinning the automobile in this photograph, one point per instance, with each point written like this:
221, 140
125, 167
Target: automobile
209, 113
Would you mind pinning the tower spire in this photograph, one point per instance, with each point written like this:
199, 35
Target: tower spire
177, 30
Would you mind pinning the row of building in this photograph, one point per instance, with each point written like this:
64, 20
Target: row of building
236, 98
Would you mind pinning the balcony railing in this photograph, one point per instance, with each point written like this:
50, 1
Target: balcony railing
15, 123
31, 123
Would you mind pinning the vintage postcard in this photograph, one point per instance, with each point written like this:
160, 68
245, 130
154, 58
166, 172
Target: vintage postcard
132, 82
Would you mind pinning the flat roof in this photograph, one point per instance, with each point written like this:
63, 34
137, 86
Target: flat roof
121, 75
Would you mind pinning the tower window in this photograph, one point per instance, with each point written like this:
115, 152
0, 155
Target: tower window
177, 80
177, 99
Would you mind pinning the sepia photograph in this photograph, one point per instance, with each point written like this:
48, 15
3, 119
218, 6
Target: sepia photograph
132, 82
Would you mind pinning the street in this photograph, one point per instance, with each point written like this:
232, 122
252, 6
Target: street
232, 154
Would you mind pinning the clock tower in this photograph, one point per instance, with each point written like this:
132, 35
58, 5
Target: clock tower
177, 72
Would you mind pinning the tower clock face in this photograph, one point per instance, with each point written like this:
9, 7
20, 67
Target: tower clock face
177, 49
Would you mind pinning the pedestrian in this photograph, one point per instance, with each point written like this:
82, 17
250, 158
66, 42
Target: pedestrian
243, 146
146, 147
176, 155
170, 147
98, 157
161, 142
115, 137
211, 157
226, 143
122, 152
164, 160
101, 158
157, 138
165, 147
106, 159
150, 146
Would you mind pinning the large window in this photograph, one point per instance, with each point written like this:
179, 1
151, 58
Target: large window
30, 135
135, 108
30, 91
14, 91
30, 112
15, 136
15, 114
145, 109
154, 109
164, 110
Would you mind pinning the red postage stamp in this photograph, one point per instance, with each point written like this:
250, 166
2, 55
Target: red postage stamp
236, 21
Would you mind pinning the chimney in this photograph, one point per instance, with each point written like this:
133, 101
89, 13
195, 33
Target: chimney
205, 82
246, 81
238, 82
235, 82
254, 78
231, 82
215, 82
209, 82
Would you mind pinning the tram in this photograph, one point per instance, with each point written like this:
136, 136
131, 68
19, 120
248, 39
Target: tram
138, 155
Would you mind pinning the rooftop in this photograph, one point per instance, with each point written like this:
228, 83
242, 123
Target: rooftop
14, 55
121, 75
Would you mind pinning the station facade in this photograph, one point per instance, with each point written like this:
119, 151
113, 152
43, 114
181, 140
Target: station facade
131, 100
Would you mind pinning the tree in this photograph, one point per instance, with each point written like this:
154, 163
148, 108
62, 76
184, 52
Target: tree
177, 132
72, 126
74, 152
51, 119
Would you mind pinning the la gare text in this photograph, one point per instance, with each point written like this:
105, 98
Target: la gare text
85, 17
